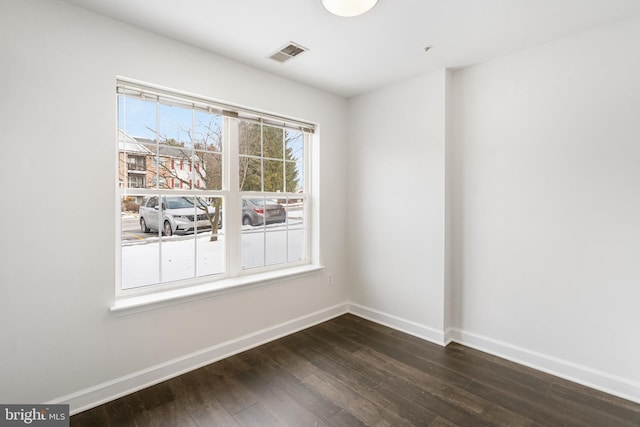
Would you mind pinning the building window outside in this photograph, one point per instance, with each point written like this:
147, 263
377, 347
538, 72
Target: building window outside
136, 181
250, 171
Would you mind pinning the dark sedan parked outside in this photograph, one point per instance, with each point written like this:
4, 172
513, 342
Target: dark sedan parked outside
257, 211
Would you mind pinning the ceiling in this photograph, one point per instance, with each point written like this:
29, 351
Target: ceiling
350, 56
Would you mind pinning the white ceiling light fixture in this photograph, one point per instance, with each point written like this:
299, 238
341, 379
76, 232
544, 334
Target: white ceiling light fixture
348, 8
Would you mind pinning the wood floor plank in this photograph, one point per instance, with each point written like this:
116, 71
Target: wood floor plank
348, 376
460, 352
602, 402
405, 407
445, 399
345, 419
479, 368
499, 378
345, 358
349, 371
429, 399
295, 364
280, 377
279, 403
164, 409
400, 354
157, 395
230, 366
447, 358
95, 417
334, 390
441, 422
171, 414
375, 392
195, 394
127, 411
233, 396
539, 410
355, 404
588, 414
257, 415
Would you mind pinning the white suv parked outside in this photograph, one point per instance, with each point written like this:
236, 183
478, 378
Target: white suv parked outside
175, 215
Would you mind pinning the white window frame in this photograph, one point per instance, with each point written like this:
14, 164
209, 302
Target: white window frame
235, 276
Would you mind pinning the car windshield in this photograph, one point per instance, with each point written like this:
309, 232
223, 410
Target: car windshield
178, 203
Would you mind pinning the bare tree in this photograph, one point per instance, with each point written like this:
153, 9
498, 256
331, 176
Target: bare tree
266, 162
203, 158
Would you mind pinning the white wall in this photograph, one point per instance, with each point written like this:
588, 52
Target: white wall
516, 183
58, 67
396, 205
547, 206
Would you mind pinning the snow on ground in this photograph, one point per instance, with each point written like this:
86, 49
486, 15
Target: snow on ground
186, 257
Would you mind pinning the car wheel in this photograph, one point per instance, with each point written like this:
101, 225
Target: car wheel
166, 230
143, 226
246, 221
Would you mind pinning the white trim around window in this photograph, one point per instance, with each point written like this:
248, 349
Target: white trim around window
200, 162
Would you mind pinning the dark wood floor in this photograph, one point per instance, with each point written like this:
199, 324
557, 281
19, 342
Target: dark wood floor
352, 372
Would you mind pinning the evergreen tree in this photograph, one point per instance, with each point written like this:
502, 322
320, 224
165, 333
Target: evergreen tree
266, 154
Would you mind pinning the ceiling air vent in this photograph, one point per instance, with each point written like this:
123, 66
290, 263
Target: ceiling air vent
287, 52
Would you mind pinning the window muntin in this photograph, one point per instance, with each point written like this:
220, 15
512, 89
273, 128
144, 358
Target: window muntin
184, 149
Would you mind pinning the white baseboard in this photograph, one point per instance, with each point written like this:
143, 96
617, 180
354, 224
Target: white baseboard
403, 325
118, 387
599, 380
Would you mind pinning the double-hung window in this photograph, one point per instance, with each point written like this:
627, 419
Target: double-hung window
207, 191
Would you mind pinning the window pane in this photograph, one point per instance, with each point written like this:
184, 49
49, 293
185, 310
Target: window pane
295, 213
264, 232
294, 143
207, 132
264, 211
276, 247
273, 175
175, 126
250, 174
140, 250
201, 247
252, 212
273, 141
178, 258
134, 168
137, 118
207, 171
136, 122
177, 252
297, 232
249, 139
295, 177
146, 167
163, 240
297, 245
211, 255
252, 249
210, 240
175, 167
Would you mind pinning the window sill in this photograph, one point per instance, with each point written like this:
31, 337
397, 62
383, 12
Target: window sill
138, 303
